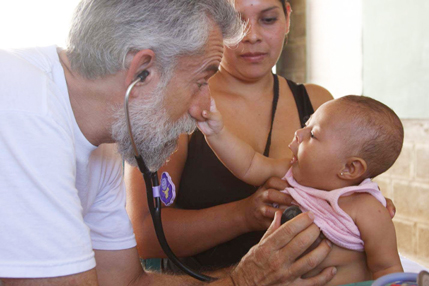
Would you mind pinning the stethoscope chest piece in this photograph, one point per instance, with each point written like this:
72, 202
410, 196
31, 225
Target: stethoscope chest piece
168, 189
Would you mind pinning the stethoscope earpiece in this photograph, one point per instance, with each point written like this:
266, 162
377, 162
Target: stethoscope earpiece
143, 75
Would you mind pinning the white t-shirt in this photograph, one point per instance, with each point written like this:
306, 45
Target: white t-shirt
60, 196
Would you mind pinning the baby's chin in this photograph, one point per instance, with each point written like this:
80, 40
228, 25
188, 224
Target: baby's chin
300, 177
296, 173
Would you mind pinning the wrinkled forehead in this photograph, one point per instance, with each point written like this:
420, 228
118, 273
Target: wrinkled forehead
211, 54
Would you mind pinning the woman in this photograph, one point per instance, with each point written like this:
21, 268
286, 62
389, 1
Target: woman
216, 218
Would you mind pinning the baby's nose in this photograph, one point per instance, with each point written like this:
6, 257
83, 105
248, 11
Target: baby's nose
298, 136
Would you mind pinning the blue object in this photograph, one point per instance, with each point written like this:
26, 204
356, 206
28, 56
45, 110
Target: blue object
398, 278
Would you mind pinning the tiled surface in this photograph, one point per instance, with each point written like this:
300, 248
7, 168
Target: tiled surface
407, 184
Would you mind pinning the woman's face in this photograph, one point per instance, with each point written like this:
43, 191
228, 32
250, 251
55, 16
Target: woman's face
260, 49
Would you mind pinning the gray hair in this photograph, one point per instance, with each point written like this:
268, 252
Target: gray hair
103, 32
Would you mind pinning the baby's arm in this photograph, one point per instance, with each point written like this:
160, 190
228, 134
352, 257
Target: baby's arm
378, 233
239, 157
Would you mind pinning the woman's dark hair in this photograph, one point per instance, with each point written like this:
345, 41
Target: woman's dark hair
284, 5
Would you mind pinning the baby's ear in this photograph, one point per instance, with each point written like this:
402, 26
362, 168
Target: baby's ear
354, 169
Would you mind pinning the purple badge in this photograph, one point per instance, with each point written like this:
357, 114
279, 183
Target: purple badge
168, 189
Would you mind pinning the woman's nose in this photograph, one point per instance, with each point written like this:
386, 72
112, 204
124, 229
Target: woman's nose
253, 34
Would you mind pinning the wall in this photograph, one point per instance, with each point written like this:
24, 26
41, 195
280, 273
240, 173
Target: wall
407, 184
396, 72
293, 61
334, 45
396, 54
29, 23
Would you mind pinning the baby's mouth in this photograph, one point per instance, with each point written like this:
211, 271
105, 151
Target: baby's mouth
293, 160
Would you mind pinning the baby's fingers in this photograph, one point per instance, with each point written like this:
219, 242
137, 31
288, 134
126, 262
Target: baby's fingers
212, 105
212, 115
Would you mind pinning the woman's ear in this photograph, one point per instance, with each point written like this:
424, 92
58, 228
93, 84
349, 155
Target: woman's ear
142, 60
288, 13
354, 169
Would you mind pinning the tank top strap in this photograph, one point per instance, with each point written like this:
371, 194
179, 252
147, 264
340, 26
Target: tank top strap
302, 101
273, 113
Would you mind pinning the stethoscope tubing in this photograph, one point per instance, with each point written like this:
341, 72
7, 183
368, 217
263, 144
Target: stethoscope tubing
154, 201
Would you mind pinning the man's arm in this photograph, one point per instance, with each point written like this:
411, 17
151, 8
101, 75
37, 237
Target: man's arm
271, 262
87, 278
114, 268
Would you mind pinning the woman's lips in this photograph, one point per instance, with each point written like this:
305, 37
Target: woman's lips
293, 160
253, 57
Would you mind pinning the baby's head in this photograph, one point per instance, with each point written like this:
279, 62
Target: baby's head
346, 141
376, 133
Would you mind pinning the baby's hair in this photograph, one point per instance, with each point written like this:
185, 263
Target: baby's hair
380, 130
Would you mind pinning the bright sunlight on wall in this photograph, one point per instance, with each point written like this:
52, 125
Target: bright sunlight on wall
28, 23
334, 60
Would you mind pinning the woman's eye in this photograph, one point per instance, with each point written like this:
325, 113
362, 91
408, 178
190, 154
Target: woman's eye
312, 134
269, 20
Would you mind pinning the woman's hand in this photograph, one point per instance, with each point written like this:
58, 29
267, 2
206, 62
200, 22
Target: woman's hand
258, 209
390, 206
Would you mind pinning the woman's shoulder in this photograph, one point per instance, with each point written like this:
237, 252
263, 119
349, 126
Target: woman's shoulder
318, 94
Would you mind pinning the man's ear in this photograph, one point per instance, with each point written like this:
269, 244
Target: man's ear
142, 60
354, 169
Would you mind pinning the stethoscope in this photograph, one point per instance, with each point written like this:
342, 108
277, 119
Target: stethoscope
153, 192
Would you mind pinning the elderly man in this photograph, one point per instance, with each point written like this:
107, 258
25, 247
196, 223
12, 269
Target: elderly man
62, 198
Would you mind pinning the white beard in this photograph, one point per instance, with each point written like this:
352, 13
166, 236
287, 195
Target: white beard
154, 134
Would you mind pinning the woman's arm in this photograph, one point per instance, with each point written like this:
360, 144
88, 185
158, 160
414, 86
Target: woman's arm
185, 228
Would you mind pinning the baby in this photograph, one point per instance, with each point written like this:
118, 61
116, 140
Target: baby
344, 144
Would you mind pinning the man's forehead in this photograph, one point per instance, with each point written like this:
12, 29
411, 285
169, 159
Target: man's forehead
207, 60
196, 63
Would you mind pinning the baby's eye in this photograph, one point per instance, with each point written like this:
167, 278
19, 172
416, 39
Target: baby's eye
312, 134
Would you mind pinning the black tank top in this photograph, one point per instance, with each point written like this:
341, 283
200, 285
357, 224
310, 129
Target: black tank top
206, 182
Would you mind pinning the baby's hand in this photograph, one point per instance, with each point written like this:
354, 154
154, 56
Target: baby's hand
213, 123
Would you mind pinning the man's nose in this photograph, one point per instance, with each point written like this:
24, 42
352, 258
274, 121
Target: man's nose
199, 103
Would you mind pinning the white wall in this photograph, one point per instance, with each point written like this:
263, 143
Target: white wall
27, 23
396, 55
334, 47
